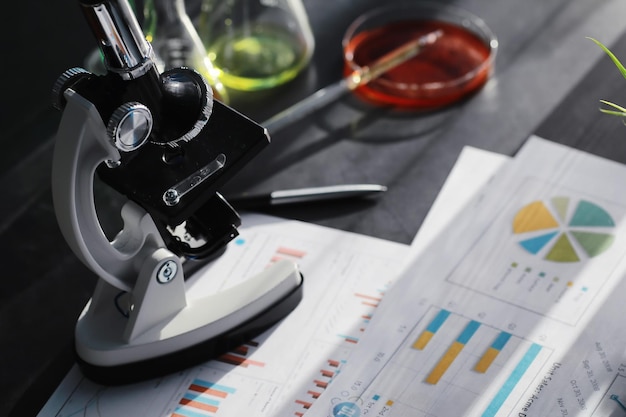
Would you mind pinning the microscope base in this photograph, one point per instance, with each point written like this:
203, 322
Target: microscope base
106, 358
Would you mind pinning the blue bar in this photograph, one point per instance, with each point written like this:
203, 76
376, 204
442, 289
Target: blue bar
512, 381
438, 321
184, 411
501, 340
213, 385
468, 332
344, 336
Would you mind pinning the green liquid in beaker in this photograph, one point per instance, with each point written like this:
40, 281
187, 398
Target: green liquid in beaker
260, 57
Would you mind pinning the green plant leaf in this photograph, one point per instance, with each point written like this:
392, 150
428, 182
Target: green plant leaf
616, 61
614, 105
613, 113
619, 110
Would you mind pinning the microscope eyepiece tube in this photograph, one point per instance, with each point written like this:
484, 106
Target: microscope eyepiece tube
126, 51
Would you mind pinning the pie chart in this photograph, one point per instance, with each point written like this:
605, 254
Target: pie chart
562, 229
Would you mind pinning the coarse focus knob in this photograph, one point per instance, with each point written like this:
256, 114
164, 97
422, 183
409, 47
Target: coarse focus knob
130, 126
68, 78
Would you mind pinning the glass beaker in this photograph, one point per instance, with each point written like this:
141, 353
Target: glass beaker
256, 44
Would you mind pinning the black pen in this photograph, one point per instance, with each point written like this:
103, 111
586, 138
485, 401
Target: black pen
303, 195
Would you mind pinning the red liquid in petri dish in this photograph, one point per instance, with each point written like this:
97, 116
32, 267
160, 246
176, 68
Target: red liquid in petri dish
450, 69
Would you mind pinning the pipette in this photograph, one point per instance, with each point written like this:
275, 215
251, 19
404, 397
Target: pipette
351, 82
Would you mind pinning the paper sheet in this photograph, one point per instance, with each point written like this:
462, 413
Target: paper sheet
285, 369
515, 310
473, 170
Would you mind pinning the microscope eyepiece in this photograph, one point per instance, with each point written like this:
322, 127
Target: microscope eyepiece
126, 51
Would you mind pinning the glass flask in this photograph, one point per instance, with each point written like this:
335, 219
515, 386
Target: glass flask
255, 44
168, 26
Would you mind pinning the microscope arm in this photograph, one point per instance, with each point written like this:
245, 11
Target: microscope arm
76, 157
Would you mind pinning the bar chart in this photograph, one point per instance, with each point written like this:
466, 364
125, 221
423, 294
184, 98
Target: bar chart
211, 392
449, 356
240, 356
316, 386
202, 396
361, 307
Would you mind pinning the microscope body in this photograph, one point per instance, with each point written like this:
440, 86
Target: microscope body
177, 146
164, 143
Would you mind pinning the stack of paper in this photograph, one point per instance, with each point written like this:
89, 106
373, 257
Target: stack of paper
508, 303
516, 308
282, 372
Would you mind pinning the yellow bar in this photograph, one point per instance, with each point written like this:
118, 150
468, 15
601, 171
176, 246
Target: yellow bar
486, 360
423, 340
389, 403
444, 363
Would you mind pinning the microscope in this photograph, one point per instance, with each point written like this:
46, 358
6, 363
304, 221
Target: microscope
163, 142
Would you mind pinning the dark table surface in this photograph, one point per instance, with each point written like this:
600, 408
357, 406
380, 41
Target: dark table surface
548, 81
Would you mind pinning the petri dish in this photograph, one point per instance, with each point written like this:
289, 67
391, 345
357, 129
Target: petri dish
455, 66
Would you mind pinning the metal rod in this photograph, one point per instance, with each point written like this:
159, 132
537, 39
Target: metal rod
126, 51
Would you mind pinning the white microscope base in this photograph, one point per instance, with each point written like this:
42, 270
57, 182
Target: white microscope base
201, 331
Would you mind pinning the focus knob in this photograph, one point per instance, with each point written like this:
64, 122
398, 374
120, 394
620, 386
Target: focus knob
66, 80
130, 126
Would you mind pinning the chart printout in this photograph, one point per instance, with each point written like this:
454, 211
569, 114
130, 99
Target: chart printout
284, 370
517, 309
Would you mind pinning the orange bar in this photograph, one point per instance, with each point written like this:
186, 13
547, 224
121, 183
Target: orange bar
423, 340
486, 360
305, 404
236, 360
210, 391
328, 374
291, 252
321, 384
197, 404
241, 350
333, 363
314, 394
369, 297
445, 362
